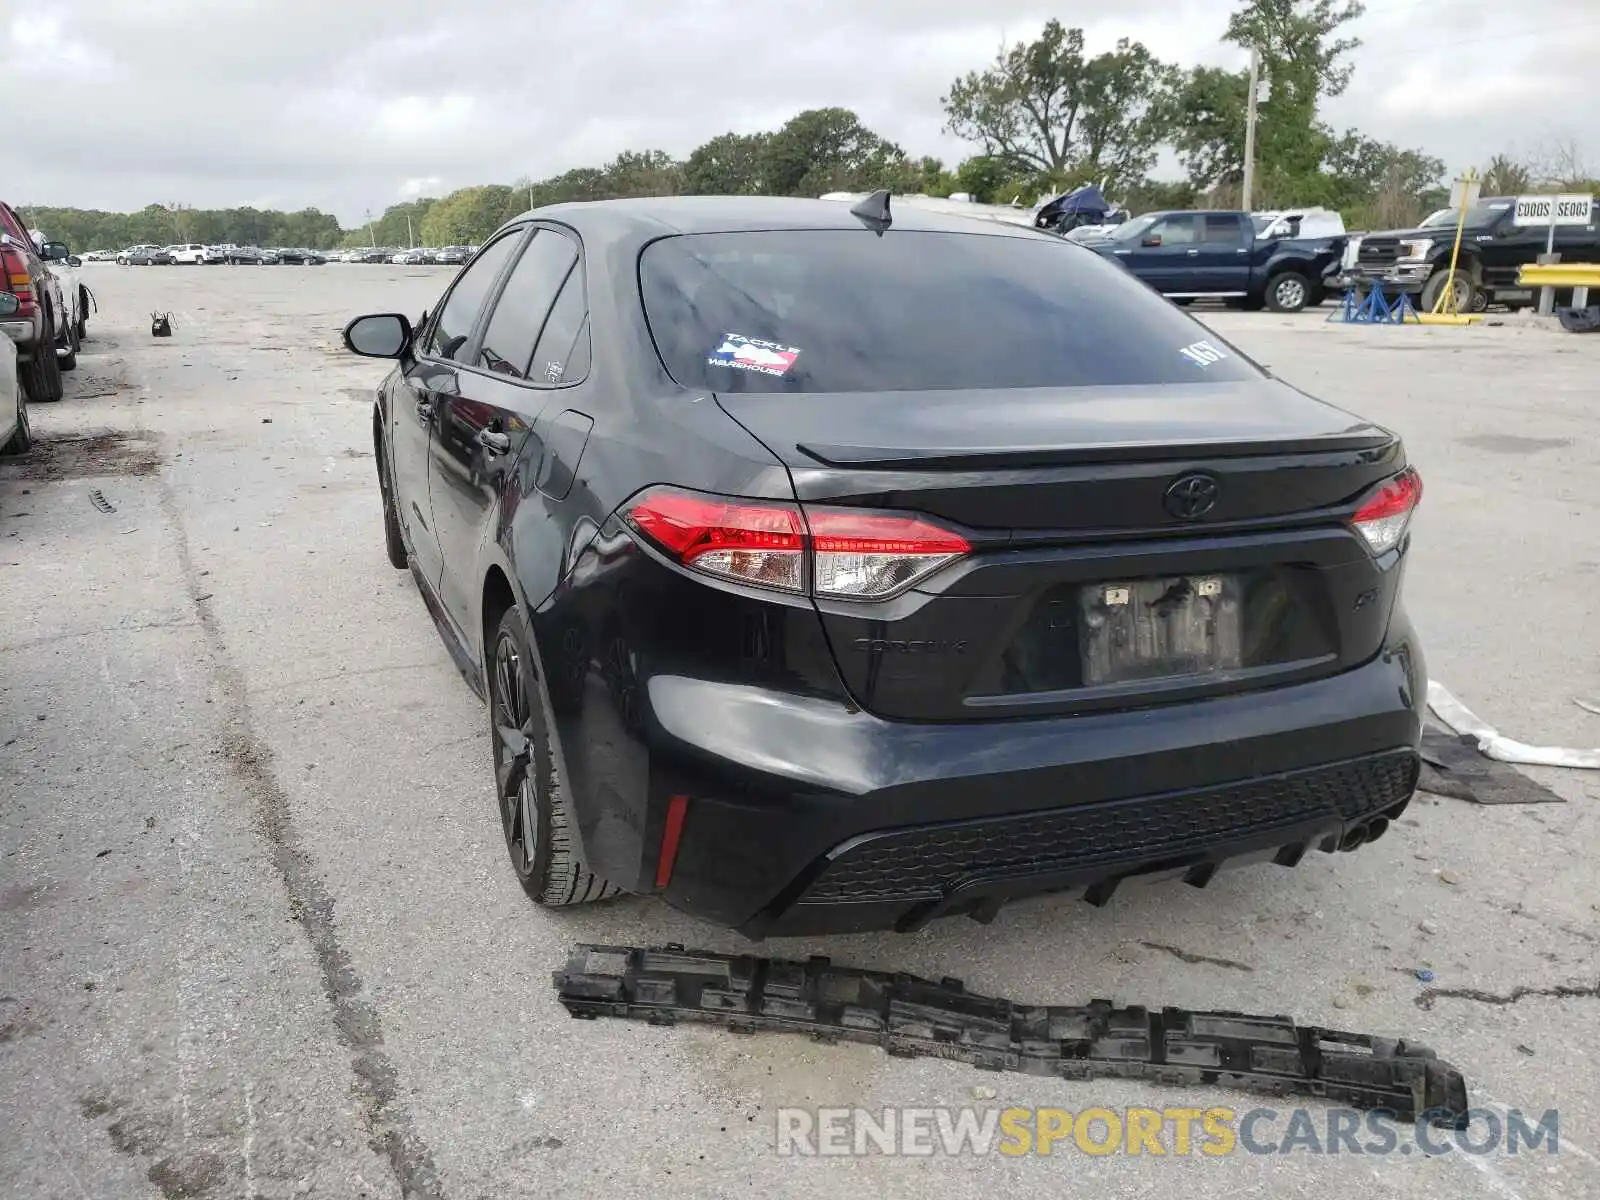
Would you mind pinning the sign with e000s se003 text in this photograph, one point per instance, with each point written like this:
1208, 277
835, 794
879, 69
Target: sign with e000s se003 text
1568, 209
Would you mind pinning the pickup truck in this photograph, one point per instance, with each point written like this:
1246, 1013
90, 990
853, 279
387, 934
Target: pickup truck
1493, 249
1221, 253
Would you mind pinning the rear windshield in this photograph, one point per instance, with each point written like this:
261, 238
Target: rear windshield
847, 311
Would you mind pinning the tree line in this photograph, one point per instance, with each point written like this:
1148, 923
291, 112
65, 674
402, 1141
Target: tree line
1045, 115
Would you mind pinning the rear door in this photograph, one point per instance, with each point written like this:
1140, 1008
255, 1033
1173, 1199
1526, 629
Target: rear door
1223, 262
1503, 249
1099, 451
499, 395
421, 386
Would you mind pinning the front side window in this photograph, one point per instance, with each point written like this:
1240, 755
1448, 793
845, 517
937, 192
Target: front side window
1177, 230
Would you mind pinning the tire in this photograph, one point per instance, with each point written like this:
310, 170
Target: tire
42, 376
69, 360
1287, 292
535, 817
1466, 291
22, 438
394, 540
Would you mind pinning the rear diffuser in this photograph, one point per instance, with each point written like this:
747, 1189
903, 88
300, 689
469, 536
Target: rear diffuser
911, 1017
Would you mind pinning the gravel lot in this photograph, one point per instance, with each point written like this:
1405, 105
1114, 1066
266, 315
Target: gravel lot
258, 936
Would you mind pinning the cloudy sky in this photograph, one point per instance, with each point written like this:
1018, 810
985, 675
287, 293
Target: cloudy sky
350, 105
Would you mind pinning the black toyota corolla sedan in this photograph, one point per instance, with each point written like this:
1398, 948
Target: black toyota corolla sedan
832, 569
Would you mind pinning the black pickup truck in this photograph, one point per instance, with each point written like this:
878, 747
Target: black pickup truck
1217, 253
1493, 249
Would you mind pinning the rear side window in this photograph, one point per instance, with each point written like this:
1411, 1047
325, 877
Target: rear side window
453, 326
846, 311
1223, 227
553, 360
524, 303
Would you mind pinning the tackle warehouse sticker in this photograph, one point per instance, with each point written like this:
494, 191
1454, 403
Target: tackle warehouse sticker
752, 354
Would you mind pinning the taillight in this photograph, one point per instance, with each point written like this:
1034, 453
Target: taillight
14, 269
1383, 519
867, 556
841, 554
762, 544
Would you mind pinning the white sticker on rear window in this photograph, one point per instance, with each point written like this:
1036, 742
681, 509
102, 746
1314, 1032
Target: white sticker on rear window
1202, 354
751, 354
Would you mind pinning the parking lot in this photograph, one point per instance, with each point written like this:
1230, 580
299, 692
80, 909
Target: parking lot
258, 935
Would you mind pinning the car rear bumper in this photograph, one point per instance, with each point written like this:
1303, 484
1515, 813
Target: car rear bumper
805, 817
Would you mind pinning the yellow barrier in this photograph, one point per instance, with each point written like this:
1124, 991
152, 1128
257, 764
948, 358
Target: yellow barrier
1560, 275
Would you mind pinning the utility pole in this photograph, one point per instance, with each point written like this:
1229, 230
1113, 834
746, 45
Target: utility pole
1250, 129
411, 241
372, 237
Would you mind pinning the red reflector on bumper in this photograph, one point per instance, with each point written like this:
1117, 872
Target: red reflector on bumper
673, 831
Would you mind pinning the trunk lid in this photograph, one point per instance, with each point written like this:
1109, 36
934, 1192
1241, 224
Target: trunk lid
1088, 586
1079, 461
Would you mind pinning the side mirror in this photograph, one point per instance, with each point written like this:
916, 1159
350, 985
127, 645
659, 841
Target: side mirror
381, 335
1153, 239
74, 261
55, 252
8, 304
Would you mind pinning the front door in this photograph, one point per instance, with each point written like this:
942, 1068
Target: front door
1166, 254
411, 422
426, 381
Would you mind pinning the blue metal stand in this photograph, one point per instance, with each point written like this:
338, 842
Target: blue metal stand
1376, 309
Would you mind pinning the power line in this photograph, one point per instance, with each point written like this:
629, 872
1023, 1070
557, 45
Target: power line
1510, 36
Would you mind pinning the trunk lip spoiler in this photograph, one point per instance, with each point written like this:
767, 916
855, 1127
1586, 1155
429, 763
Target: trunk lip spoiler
1370, 439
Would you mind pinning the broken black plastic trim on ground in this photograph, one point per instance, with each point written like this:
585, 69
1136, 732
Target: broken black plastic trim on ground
1452, 765
913, 1017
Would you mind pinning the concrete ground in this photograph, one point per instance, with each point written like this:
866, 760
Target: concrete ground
258, 936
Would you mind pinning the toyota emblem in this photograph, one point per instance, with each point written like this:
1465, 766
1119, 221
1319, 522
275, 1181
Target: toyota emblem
1190, 497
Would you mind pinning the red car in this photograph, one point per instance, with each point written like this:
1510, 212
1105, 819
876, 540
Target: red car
39, 323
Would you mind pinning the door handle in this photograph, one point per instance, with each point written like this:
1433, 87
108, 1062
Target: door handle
496, 443
1241, 250
1193, 252
1122, 251
424, 410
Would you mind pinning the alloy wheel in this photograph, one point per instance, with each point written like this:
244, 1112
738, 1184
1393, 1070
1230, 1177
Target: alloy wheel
515, 782
1291, 294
